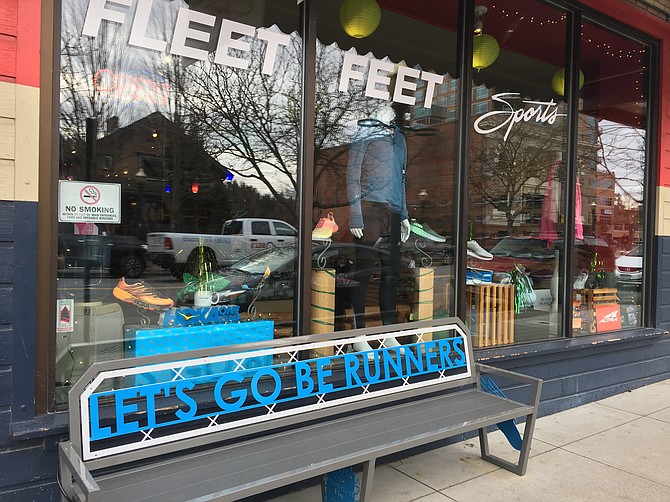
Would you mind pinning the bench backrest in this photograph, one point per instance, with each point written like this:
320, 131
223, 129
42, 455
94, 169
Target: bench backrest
130, 409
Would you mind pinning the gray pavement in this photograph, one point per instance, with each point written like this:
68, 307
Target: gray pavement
617, 449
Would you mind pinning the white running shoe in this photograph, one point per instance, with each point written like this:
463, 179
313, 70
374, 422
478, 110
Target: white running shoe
364, 347
580, 282
479, 251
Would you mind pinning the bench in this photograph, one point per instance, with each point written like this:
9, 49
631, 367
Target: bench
232, 422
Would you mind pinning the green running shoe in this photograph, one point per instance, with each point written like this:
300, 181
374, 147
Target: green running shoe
423, 230
214, 283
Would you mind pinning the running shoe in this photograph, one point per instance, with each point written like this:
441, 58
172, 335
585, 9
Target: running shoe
479, 251
423, 230
213, 282
325, 228
142, 295
580, 282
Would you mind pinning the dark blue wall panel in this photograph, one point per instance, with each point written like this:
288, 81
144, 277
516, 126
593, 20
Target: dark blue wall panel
24, 310
661, 290
27, 465
6, 343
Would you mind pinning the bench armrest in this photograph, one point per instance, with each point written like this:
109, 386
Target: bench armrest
535, 383
75, 467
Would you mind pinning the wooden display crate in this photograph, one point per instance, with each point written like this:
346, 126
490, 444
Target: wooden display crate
593, 297
492, 322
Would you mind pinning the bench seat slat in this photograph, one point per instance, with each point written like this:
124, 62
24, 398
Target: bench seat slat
257, 465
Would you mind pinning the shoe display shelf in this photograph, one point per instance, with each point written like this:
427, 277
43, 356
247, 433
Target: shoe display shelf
492, 314
591, 298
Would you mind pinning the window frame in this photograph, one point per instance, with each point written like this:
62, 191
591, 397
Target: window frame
49, 147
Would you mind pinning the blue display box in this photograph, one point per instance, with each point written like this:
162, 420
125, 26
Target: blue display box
478, 276
156, 341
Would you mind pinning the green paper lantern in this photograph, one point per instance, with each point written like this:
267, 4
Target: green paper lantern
360, 18
558, 81
485, 51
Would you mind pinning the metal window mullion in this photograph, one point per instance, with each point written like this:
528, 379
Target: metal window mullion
573, 34
649, 275
465, 44
301, 303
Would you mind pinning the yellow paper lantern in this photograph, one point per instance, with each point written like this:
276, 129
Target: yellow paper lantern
558, 81
360, 18
485, 51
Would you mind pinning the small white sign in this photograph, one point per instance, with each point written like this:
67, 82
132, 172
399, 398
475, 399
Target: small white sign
83, 202
65, 315
543, 300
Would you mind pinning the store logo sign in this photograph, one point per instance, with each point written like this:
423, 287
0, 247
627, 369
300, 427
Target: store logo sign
195, 316
185, 32
529, 110
608, 317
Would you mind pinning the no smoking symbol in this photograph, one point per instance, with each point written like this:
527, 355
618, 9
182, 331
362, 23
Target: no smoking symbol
89, 195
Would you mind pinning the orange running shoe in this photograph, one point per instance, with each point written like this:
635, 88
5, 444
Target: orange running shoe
142, 295
325, 228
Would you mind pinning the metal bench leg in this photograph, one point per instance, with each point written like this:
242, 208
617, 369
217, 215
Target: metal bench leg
366, 480
520, 467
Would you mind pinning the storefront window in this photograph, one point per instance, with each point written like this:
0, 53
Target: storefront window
181, 125
516, 175
179, 132
611, 171
384, 165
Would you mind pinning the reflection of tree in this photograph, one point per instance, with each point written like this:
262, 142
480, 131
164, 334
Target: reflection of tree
81, 58
504, 172
622, 154
252, 120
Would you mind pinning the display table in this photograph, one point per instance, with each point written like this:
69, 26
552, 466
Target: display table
492, 314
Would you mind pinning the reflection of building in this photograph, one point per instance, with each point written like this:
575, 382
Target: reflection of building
158, 166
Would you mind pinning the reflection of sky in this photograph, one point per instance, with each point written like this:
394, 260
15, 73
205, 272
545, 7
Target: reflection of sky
624, 151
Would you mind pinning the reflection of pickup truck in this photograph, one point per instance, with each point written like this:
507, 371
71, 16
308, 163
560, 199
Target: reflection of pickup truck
239, 238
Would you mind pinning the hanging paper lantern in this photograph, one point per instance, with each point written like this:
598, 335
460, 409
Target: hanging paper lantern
168, 188
485, 51
360, 18
195, 187
558, 81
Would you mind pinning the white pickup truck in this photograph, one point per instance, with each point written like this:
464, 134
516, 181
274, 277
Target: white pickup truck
239, 238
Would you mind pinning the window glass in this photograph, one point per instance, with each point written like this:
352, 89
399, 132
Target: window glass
385, 164
284, 229
192, 109
611, 171
516, 177
260, 228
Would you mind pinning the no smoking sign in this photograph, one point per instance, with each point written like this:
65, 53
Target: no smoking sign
89, 195
82, 202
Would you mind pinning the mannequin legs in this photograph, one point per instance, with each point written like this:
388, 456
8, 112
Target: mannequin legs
378, 222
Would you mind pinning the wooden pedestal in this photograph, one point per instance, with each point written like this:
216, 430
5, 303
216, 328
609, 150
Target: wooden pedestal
492, 318
323, 304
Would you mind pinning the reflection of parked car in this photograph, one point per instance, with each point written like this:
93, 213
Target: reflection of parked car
120, 255
629, 267
537, 256
240, 237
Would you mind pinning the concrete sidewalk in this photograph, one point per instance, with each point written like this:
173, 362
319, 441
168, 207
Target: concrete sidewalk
613, 450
